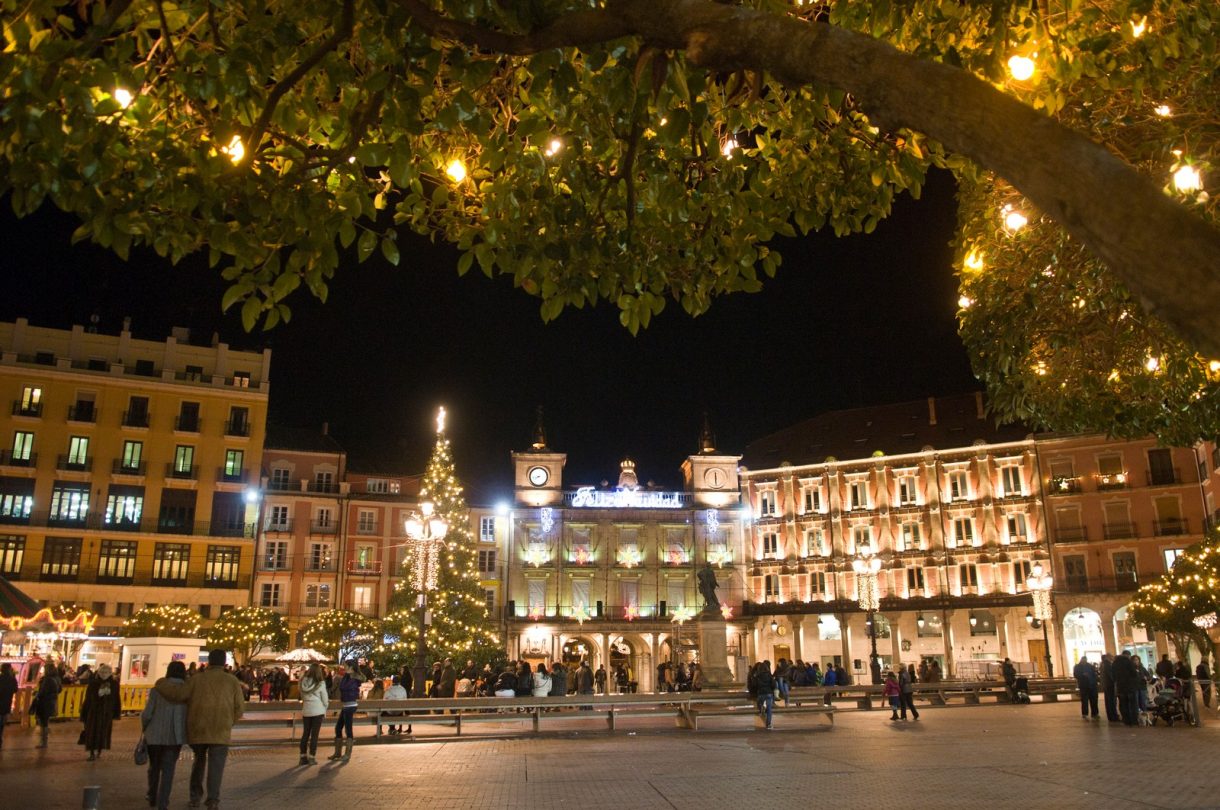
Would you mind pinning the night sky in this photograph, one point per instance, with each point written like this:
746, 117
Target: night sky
857, 321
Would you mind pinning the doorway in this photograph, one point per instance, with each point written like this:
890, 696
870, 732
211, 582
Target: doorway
1037, 654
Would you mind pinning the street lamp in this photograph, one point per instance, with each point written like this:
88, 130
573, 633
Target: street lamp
427, 534
1039, 584
869, 598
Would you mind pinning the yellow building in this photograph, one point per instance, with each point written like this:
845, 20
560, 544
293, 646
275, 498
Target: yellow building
129, 468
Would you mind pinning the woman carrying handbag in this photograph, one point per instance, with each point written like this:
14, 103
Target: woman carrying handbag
164, 726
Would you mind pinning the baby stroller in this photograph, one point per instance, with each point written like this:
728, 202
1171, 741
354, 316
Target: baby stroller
1170, 703
1020, 690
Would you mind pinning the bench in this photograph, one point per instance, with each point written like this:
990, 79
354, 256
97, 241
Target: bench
694, 712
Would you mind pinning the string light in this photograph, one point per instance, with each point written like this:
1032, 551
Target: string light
123, 96
965, 301
1014, 219
456, 170
1187, 178
236, 150
727, 146
1138, 27
1163, 110
973, 261
554, 147
1020, 67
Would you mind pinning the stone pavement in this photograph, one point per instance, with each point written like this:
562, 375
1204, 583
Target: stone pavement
994, 757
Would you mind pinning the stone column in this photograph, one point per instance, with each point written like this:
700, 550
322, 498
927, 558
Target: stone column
798, 637
948, 639
606, 660
1001, 634
895, 620
845, 636
1107, 630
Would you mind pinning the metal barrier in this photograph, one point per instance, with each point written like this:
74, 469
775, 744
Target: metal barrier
71, 698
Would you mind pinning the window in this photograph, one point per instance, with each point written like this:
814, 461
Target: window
193, 373
489, 599
228, 515
815, 543
16, 499
133, 456
317, 596
241, 379
1018, 531
1012, 481
829, 628
817, 585
915, 582
908, 489
323, 481
275, 554
170, 561
23, 447
1171, 556
116, 560
862, 539
1117, 520
1021, 571
233, 470
968, 575
982, 623
12, 555
205, 611
1110, 472
487, 529
83, 409
31, 401
177, 511
61, 558
910, 537
364, 558
366, 521
812, 497
378, 486
145, 368
929, 625
124, 506
958, 486
771, 586
321, 518
184, 460
963, 532
1160, 467
78, 451
767, 503
1169, 519
270, 595
137, 412
319, 558
1077, 574
362, 597
1124, 569
859, 494
487, 562
277, 519
280, 478
770, 546
69, 502
222, 565
239, 422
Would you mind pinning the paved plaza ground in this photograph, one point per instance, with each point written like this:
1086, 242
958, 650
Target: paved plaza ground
995, 757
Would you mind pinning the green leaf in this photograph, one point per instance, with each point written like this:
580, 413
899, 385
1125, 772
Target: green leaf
249, 313
389, 249
366, 245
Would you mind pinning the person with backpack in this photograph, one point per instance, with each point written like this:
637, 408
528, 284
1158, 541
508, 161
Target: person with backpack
761, 686
350, 679
46, 703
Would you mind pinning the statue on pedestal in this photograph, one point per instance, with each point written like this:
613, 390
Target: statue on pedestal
707, 589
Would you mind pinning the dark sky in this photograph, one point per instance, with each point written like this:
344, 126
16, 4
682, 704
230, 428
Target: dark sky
856, 321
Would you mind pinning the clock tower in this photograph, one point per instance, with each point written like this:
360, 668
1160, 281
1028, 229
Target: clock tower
711, 478
538, 472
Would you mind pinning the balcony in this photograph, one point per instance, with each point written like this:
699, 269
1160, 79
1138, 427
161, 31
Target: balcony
187, 424
135, 419
283, 486
237, 427
121, 467
366, 569
1100, 584
1119, 531
279, 526
1171, 527
7, 459
27, 409
1106, 481
323, 527
231, 476
273, 562
326, 487
74, 463
200, 581
366, 528
1064, 485
1078, 534
1164, 478
82, 412
321, 566
172, 470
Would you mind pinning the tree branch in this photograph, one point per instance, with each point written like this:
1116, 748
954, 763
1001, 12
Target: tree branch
574, 29
342, 31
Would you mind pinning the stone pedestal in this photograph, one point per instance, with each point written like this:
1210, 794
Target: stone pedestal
713, 653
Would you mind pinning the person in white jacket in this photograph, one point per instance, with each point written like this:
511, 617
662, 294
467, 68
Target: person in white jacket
541, 682
314, 700
396, 692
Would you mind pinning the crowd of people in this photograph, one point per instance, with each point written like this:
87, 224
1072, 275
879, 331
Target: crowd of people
1123, 684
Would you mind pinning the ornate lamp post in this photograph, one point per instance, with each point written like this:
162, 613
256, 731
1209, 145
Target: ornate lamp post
427, 535
869, 598
1040, 584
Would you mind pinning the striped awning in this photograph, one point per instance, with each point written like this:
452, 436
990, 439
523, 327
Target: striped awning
14, 603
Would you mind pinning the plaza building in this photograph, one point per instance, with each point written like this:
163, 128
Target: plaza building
958, 512
128, 466
609, 574
335, 537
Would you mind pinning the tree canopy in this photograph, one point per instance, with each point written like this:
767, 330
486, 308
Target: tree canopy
248, 631
342, 634
645, 151
1190, 591
171, 621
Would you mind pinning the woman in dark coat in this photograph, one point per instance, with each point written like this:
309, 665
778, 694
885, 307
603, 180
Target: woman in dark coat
46, 703
8, 689
101, 707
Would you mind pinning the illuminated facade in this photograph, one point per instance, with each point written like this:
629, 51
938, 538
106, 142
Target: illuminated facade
609, 575
129, 470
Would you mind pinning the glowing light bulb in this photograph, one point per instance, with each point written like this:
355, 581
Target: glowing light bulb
1040, 368
1021, 68
553, 147
236, 150
1152, 364
973, 260
1163, 110
965, 302
1187, 178
728, 146
1214, 366
1138, 28
123, 96
1014, 220
456, 170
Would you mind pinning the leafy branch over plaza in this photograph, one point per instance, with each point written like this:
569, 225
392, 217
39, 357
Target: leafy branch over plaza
646, 151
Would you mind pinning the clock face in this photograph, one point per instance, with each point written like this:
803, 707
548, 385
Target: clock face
714, 478
538, 476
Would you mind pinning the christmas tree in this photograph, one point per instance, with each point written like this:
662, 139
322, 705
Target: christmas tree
461, 628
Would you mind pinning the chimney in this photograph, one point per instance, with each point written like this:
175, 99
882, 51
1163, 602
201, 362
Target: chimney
978, 404
931, 410
326, 428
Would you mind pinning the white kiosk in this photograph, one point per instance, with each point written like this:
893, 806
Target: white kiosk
145, 659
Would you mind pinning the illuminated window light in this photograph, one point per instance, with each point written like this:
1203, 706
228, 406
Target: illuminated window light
1020, 68
1187, 178
123, 96
456, 170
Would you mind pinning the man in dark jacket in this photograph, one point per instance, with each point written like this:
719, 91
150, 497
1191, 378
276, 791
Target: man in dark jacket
1109, 697
1126, 682
762, 687
447, 682
1086, 682
1164, 667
